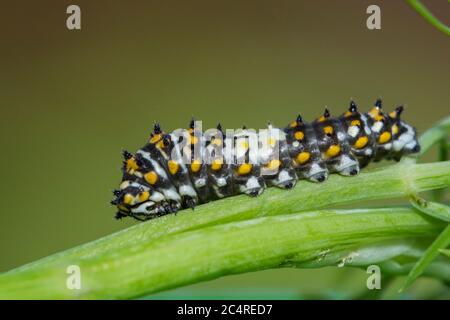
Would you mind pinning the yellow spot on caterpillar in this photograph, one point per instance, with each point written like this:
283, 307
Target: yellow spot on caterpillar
193, 139
355, 123
379, 117
273, 164
155, 138
160, 144
394, 129
384, 137
217, 142
244, 144
393, 114
244, 169
293, 124
328, 130
374, 112
361, 142
303, 157
272, 142
151, 177
132, 165
216, 165
173, 167
143, 196
196, 165
299, 135
123, 208
321, 119
128, 199
347, 114
333, 151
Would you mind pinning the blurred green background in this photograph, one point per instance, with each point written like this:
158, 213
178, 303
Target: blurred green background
72, 100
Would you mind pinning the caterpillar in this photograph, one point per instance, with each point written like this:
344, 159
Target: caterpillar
184, 168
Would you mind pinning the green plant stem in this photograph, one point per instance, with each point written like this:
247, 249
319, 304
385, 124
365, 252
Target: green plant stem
444, 148
180, 259
428, 16
393, 181
445, 252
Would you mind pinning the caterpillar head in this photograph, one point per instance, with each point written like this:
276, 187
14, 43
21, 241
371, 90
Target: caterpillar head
133, 199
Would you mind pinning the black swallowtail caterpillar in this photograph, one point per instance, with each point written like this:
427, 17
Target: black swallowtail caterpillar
189, 167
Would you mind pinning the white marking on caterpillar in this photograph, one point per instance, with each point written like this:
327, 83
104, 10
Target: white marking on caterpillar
353, 131
188, 191
200, 183
376, 127
221, 182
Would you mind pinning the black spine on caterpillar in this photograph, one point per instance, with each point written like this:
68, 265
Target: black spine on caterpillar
188, 167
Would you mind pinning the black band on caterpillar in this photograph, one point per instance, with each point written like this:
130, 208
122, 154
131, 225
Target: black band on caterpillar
189, 167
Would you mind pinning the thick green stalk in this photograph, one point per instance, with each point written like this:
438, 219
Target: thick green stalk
207, 253
393, 181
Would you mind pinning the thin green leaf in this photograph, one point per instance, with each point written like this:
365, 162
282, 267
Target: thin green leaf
432, 252
433, 209
445, 252
428, 16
